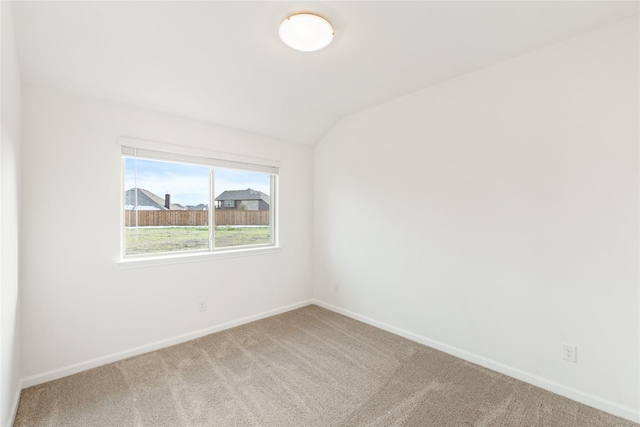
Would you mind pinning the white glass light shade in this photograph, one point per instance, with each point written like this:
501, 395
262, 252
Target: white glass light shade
306, 32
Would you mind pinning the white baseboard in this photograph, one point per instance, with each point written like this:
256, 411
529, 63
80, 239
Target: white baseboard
103, 360
14, 406
552, 386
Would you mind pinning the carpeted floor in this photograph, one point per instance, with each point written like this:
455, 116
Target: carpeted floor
307, 367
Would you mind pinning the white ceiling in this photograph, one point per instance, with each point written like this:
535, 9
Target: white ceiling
222, 62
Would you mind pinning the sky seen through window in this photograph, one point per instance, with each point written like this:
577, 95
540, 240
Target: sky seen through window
189, 184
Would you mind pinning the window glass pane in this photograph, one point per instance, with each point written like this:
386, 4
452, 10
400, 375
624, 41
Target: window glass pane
166, 207
243, 208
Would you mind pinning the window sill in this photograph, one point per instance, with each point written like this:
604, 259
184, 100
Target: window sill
167, 259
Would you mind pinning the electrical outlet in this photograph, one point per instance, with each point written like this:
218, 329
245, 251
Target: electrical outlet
203, 305
569, 353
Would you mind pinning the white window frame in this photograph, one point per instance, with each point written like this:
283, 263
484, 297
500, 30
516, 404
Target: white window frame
228, 203
152, 150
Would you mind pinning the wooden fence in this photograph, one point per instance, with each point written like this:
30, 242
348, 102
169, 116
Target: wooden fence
194, 218
231, 217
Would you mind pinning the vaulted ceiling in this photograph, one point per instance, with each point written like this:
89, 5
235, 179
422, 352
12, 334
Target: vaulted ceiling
222, 62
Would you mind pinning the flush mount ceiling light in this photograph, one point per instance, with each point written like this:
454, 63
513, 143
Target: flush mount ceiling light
306, 32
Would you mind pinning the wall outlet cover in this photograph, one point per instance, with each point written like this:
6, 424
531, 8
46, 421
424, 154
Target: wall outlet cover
569, 353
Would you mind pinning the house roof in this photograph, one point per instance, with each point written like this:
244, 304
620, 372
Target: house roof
248, 194
198, 207
147, 199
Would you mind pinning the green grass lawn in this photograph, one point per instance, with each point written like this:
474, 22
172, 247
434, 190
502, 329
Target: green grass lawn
147, 240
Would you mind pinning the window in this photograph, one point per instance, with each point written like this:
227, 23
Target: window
177, 203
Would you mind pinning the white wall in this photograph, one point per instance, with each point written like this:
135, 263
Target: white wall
77, 304
9, 219
497, 215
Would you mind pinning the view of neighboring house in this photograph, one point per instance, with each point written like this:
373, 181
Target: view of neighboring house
147, 201
198, 207
243, 200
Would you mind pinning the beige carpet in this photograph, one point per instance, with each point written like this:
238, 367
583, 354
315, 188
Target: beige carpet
308, 367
